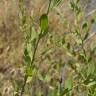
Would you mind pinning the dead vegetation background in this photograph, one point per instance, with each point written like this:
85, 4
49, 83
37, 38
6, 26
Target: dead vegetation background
12, 40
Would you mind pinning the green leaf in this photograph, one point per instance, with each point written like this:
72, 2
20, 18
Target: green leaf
91, 84
78, 41
75, 6
24, 20
63, 40
30, 73
27, 58
68, 46
87, 80
40, 76
34, 34
28, 53
29, 70
17, 85
56, 2
90, 80
72, 5
91, 68
92, 21
86, 35
93, 50
85, 25
47, 78
82, 57
46, 50
65, 92
69, 82
44, 23
25, 52
29, 79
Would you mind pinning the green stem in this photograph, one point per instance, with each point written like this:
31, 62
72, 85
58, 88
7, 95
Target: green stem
23, 87
35, 49
49, 7
33, 58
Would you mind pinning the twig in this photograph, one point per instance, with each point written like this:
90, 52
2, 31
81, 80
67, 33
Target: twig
90, 13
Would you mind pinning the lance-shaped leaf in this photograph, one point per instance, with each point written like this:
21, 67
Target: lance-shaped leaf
69, 82
56, 2
44, 23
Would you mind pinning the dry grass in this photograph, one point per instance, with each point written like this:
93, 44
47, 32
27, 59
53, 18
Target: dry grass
12, 40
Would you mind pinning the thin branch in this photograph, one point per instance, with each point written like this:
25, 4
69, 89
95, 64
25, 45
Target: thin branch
90, 13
